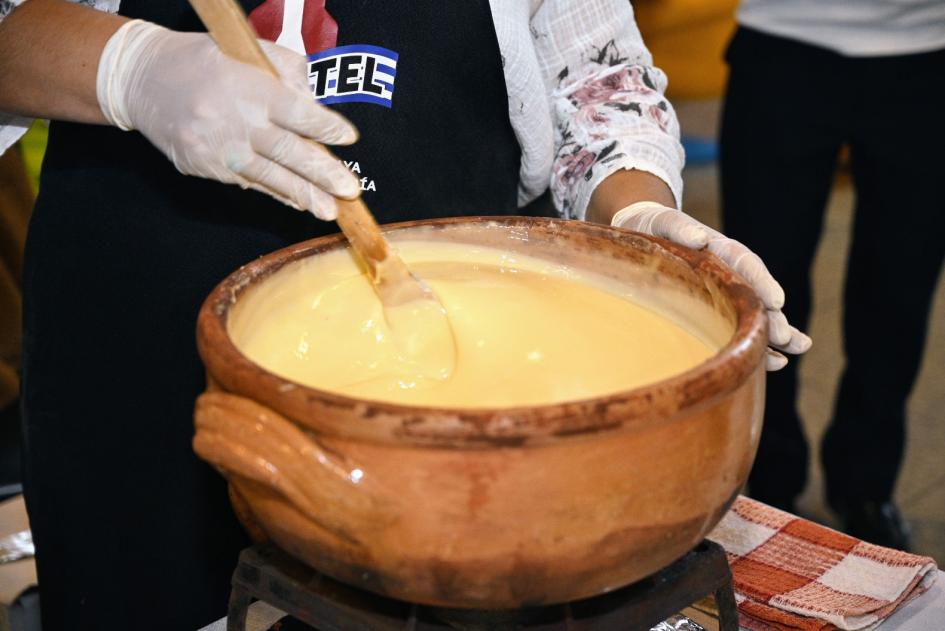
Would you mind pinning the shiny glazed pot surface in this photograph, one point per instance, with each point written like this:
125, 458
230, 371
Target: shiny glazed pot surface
495, 508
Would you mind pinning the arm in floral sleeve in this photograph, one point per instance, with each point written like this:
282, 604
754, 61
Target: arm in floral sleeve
610, 115
607, 100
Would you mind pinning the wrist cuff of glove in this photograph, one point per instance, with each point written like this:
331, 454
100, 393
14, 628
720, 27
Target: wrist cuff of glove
117, 70
624, 214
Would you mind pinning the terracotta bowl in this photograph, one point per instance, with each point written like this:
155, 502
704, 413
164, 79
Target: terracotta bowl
495, 508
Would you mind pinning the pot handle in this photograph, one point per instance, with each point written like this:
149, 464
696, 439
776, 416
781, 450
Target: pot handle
248, 440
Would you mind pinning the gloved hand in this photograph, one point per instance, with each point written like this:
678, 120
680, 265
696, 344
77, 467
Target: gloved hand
221, 119
661, 221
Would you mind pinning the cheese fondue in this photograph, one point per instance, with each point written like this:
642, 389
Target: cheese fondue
527, 331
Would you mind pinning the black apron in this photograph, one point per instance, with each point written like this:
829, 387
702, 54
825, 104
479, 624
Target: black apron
132, 530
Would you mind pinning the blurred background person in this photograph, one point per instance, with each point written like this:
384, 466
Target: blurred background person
806, 79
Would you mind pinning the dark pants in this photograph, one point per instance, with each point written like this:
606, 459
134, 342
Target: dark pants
788, 110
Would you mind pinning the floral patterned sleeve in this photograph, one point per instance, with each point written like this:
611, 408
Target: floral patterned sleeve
607, 100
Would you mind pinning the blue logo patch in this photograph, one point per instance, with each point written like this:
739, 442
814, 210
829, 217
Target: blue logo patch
355, 73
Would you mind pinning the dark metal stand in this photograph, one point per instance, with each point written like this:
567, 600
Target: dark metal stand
266, 573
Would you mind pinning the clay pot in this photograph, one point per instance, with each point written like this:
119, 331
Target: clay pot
497, 508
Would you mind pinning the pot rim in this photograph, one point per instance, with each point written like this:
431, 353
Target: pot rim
329, 413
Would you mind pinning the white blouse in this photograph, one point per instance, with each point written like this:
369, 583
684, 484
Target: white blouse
584, 97
864, 28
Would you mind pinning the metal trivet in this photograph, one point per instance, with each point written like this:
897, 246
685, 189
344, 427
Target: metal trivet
267, 573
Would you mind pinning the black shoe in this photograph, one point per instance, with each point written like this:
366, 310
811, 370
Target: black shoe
876, 522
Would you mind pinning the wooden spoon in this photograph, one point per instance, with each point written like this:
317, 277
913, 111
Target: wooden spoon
415, 315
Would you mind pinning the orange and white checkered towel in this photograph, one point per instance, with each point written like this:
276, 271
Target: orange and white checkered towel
790, 573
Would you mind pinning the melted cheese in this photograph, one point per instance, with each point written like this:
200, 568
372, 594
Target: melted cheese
527, 331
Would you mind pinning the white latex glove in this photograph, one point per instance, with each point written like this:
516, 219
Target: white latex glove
676, 226
221, 119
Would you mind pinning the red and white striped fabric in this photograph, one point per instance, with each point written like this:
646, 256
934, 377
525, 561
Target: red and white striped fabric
790, 573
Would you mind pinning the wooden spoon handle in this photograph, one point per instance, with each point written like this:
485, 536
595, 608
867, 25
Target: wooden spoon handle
391, 276
359, 225
229, 28
227, 24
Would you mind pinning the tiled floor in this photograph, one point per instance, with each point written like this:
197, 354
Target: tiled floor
921, 489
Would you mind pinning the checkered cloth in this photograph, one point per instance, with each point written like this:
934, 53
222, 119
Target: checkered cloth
790, 573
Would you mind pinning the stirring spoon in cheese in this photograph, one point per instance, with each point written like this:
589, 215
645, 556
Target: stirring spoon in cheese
418, 321
420, 327
227, 24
